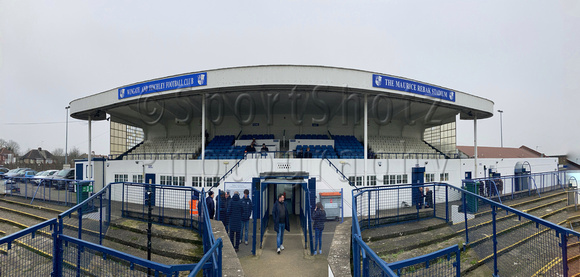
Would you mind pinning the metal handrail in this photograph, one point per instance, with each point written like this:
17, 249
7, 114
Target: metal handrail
341, 174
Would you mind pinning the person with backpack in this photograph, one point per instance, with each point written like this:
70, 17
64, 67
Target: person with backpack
319, 217
235, 220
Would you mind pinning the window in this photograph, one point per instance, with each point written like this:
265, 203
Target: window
196, 181
121, 178
179, 181
138, 178
371, 180
165, 180
395, 179
444, 177
124, 137
429, 177
209, 181
356, 180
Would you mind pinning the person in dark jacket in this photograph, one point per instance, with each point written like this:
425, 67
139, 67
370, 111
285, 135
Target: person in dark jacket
420, 198
246, 213
210, 204
235, 219
281, 220
223, 209
319, 217
428, 198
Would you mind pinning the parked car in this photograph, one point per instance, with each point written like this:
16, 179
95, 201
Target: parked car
43, 175
18, 172
29, 173
3, 170
59, 182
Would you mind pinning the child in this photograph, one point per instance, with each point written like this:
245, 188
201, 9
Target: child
319, 218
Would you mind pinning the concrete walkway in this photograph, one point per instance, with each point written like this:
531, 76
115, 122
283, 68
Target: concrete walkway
293, 261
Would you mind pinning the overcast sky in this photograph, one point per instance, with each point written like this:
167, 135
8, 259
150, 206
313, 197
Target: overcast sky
523, 55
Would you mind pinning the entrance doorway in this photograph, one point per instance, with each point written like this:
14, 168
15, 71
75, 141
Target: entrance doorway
300, 195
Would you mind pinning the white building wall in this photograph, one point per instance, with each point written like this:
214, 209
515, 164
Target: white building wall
327, 177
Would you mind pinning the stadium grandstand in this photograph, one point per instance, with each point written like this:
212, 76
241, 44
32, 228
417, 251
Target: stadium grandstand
311, 133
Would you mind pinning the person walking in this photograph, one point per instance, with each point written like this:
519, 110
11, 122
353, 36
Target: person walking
210, 204
319, 217
223, 209
235, 211
246, 213
281, 220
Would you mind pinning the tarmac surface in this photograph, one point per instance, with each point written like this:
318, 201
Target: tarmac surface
294, 260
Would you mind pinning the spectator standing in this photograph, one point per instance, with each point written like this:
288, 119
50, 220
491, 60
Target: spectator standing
428, 198
210, 204
420, 198
281, 220
499, 185
235, 211
319, 217
223, 209
246, 213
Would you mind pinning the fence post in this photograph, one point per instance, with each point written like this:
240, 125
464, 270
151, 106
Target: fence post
564, 246
57, 250
465, 218
447, 202
101, 219
219, 261
365, 269
494, 215
341, 205
355, 255
458, 262
369, 209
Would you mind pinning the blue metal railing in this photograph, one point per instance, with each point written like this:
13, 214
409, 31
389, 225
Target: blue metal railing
74, 240
59, 191
395, 155
531, 229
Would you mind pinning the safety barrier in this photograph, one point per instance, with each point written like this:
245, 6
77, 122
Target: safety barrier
384, 155
516, 186
498, 235
57, 191
72, 243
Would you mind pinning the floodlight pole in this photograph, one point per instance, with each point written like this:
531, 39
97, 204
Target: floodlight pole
475, 146
501, 126
66, 137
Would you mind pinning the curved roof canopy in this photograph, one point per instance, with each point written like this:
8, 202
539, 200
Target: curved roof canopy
256, 87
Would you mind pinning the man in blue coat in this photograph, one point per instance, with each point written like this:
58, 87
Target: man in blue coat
246, 213
210, 204
235, 219
281, 220
223, 209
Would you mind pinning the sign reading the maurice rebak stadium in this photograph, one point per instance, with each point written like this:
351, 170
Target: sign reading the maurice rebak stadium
380, 81
186, 81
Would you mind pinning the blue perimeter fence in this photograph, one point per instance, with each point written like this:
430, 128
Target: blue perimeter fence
71, 245
488, 233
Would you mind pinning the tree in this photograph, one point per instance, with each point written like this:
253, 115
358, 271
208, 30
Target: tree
73, 154
58, 154
10, 145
